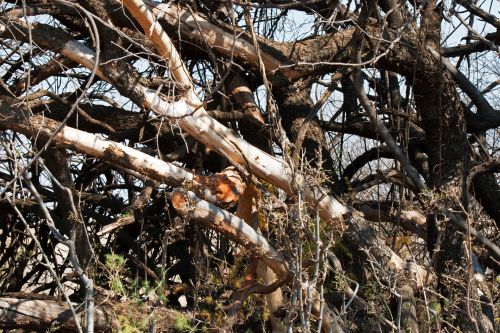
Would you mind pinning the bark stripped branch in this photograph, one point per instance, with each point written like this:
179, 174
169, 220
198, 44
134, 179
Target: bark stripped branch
211, 216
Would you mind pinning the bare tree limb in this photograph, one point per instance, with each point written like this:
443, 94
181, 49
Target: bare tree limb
385, 134
487, 117
476, 10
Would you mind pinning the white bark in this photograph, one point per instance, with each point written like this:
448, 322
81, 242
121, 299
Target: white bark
212, 133
166, 49
116, 152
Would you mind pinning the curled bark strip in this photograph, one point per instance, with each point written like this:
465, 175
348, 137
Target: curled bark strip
248, 211
224, 188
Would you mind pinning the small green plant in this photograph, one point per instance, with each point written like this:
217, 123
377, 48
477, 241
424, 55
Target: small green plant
116, 266
115, 262
181, 324
129, 326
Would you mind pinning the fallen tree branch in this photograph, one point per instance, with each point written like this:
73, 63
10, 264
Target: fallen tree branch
160, 39
188, 204
410, 220
199, 124
198, 28
32, 314
212, 133
223, 188
128, 216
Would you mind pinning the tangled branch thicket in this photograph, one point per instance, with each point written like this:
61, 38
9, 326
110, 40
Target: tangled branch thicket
249, 166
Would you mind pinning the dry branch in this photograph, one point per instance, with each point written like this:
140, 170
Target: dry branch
410, 220
160, 39
363, 236
106, 38
188, 204
486, 116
